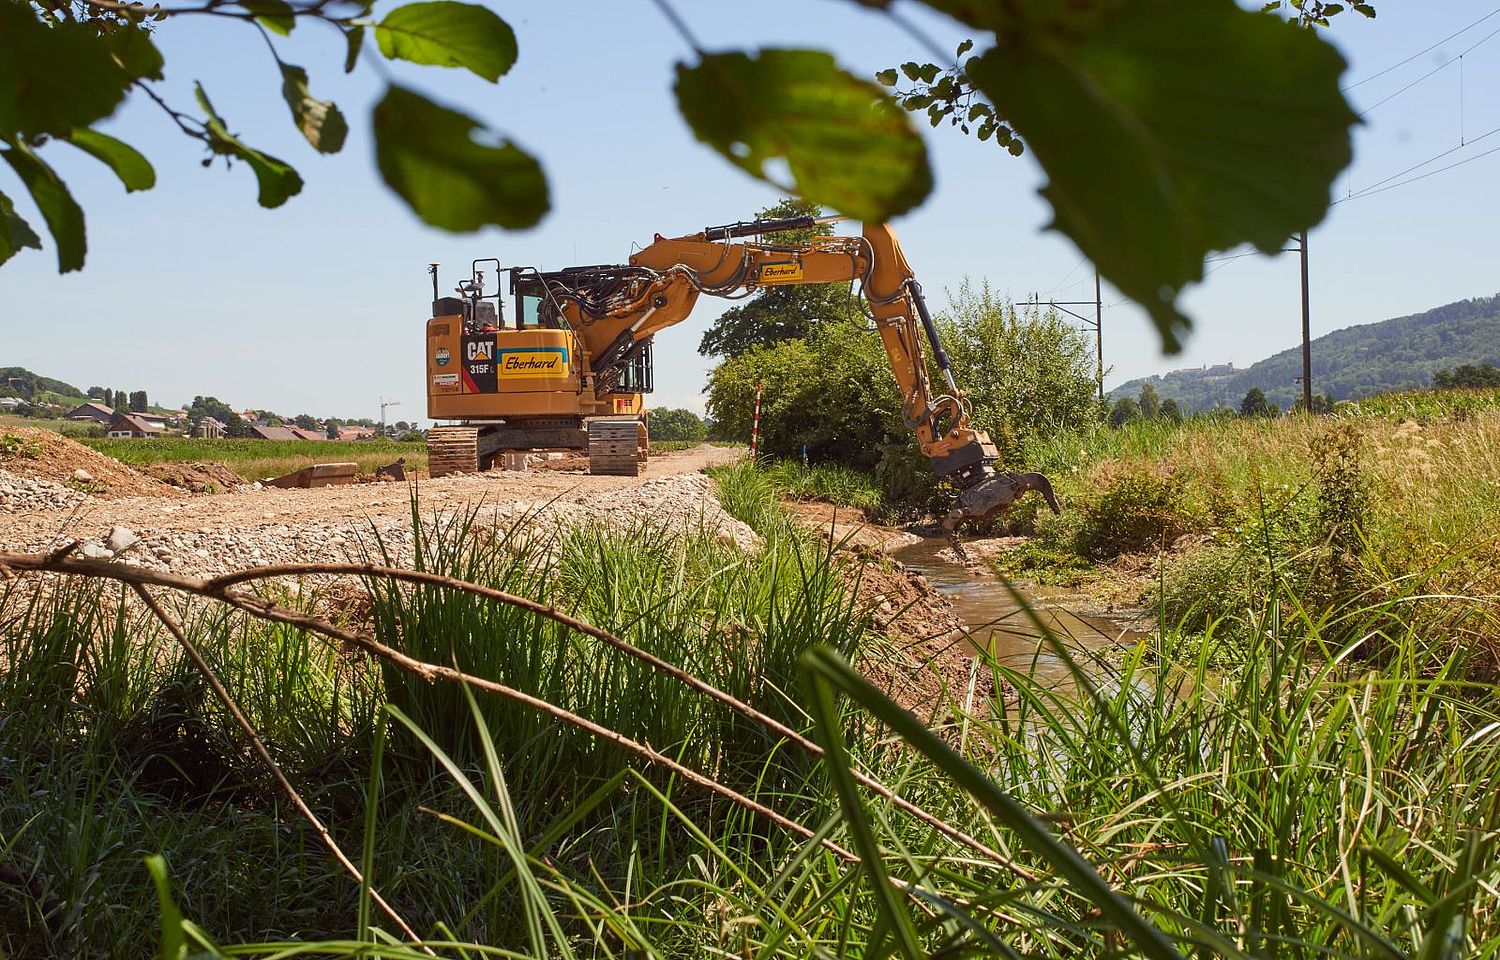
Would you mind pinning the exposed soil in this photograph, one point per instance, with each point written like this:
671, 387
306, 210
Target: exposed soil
48, 455
196, 477
927, 667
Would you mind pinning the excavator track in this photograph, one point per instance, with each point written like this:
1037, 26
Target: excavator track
617, 447
452, 450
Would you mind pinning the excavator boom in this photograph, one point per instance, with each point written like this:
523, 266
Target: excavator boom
615, 311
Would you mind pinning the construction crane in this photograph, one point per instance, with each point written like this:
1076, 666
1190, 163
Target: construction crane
383, 404
570, 371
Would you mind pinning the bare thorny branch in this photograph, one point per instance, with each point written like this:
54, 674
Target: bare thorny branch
224, 589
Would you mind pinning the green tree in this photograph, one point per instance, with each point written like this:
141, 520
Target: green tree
121, 401
1174, 190
333, 426
1255, 404
1467, 376
107, 397
305, 421
202, 407
778, 313
1028, 375
675, 424
96, 393
138, 401
1126, 410
1170, 412
1150, 402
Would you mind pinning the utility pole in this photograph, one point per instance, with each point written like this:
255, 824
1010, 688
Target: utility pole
1307, 394
1099, 330
1096, 322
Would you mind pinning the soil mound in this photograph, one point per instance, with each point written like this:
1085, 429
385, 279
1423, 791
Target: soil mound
196, 476
48, 455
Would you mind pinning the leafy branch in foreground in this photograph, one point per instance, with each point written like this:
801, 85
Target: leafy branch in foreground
1194, 105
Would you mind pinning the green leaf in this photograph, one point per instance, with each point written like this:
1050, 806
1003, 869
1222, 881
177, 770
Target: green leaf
823, 663
355, 37
15, 233
846, 144
320, 121
276, 15
1197, 106
134, 170
887, 78
444, 33
63, 215
429, 156
173, 943
830, 732
275, 179
53, 79
135, 52
964, 48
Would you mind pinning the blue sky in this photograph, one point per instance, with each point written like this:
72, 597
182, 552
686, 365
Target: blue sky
318, 306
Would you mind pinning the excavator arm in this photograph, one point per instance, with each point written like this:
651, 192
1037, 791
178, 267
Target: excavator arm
615, 311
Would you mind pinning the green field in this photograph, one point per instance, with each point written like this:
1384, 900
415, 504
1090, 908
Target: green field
262, 459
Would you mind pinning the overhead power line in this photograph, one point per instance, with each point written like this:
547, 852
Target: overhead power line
1431, 173
1430, 73
1397, 66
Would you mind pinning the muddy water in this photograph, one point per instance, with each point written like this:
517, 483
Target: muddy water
997, 621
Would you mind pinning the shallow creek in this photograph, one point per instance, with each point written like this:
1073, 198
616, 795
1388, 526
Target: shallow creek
994, 618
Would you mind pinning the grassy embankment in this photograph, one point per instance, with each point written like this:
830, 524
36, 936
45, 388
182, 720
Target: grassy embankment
1398, 495
262, 459
1294, 802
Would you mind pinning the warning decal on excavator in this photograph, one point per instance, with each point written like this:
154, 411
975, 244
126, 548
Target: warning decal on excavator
533, 362
788, 272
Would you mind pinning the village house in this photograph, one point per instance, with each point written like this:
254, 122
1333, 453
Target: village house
132, 425
209, 428
258, 432
92, 413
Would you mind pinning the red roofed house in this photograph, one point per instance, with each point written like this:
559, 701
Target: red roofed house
303, 434
128, 425
272, 433
356, 433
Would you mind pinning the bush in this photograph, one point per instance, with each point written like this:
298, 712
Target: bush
1141, 508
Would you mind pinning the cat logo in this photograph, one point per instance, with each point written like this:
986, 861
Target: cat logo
787, 272
480, 349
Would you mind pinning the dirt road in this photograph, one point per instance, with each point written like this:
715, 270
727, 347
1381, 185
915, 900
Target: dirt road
209, 533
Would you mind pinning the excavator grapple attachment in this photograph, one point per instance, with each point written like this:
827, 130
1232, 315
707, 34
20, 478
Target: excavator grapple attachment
993, 494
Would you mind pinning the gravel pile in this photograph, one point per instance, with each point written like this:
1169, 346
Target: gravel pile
682, 503
26, 494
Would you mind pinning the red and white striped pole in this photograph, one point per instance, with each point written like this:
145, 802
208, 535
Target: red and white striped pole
755, 424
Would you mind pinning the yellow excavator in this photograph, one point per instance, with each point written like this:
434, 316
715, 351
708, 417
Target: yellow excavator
569, 372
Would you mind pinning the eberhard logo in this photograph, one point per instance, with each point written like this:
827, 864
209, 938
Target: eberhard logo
780, 272
539, 362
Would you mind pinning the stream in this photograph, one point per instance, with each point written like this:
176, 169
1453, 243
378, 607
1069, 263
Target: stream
994, 618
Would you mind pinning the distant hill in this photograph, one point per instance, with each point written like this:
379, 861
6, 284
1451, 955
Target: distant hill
20, 382
1355, 362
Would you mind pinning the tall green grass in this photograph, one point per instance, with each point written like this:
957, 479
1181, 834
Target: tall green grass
1279, 797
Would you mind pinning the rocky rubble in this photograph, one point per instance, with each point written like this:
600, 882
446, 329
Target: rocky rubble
683, 502
28, 494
